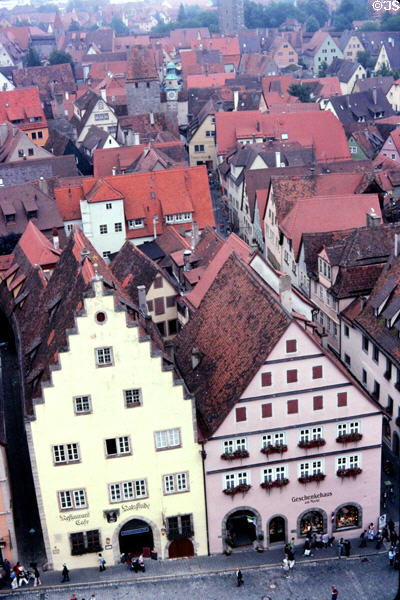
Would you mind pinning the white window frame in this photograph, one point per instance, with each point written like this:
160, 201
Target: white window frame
348, 461
133, 397
232, 444
125, 491
104, 356
273, 439
176, 483
348, 427
64, 454
231, 480
308, 434
123, 446
274, 473
75, 499
307, 468
135, 223
84, 400
167, 439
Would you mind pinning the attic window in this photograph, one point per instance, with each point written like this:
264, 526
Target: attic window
284, 136
135, 223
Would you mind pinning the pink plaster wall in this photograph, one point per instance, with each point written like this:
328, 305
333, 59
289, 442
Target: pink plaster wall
289, 501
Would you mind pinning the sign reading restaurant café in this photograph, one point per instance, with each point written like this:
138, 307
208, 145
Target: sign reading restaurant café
83, 519
313, 498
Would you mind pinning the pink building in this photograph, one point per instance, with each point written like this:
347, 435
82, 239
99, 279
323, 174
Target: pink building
292, 441
391, 148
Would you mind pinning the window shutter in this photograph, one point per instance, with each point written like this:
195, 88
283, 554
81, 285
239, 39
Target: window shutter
342, 399
317, 372
291, 376
240, 414
150, 305
266, 410
318, 402
292, 407
291, 346
159, 306
266, 379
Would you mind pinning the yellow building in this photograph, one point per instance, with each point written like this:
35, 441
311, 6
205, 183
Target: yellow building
113, 444
202, 149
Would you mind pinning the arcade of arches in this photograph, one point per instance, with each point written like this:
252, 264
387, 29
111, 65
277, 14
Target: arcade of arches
243, 526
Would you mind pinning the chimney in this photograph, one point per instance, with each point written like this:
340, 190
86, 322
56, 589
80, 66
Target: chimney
235, 99
374, 95
103, 93
396, 243
285, 292
136, 139
277, 159
114, 171
151, 116
56, 239
186, 260
195, 234
43, 186
373, 220
142, 300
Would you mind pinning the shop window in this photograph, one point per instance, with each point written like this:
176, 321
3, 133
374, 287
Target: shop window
347, 516
84, 542
312, 521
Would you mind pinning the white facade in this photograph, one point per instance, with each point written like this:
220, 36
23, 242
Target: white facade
102, 116
103, 223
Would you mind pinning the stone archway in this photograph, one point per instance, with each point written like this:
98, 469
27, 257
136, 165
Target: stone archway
252, 512
357, 512
277, 529
155, 530
316, 518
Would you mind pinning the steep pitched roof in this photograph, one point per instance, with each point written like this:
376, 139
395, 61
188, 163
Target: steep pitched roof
104, 160
319, 130
236, 326
38, 249
326, 213
49, 79
132, 268
141, 64
21, 105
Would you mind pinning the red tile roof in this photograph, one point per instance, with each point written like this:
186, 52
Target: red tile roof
320, 130
105, 159
101, 70
228, 46
68, 202
208, 81
327, 213
37, 248
16, 104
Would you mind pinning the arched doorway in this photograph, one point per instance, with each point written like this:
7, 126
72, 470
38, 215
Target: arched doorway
180, 549
277, 530
241, 528
396, 445
134, 536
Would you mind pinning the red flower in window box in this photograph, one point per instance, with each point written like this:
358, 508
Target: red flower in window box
346, 438
310, 478
312, 443
242, 487
274, 449
352, 472
234, 455
278, 483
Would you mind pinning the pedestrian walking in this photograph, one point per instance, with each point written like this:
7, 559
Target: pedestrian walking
239, 577
93, 597
325, 539
291, 543
363, 537
391, 555
65, 574
22, 577
102, 563
371, 531
379, 540
396, 562
307, 548
14, 580
285, 566
286, 549
335, 593
393, 537
37, 577
290, 558
340, 548
347, 547
385, 533
390, 525
7, 568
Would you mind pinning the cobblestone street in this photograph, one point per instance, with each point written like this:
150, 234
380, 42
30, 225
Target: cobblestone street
367, 579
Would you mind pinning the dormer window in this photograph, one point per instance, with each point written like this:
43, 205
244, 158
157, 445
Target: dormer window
135, 223
324, 268
32, 214
178, 218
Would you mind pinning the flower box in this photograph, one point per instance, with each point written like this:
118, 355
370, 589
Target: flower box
278, 483
274, 449
353, 472
312, 443
234, 455
347, 438
242, 487
310, 478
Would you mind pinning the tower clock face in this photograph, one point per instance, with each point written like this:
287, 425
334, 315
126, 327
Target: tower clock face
171, 95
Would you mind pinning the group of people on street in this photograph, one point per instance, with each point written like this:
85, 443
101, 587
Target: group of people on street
134, 563
19, 575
